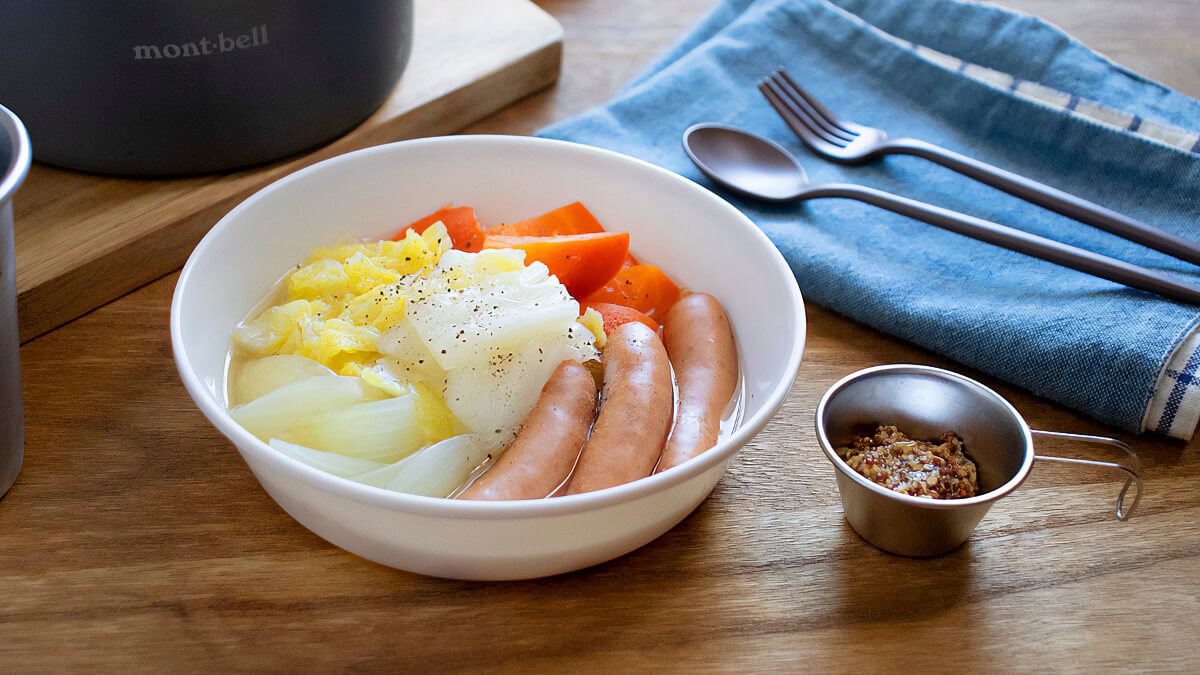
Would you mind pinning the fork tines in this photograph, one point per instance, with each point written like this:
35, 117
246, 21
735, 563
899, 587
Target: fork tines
811, 121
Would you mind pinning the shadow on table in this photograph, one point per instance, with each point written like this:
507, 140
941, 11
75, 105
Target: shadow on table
881, 586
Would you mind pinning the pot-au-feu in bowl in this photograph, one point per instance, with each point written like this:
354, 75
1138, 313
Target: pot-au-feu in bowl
487, 357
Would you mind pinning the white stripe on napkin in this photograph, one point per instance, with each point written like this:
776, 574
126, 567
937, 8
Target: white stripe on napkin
1175, 407
1082, 108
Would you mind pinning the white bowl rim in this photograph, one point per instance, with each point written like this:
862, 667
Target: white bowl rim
486, 510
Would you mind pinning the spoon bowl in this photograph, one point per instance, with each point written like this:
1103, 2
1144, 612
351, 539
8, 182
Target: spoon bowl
745, 163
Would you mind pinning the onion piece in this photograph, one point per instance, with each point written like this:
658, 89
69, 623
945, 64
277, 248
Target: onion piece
434, 471
381, 431
272, 414
265, 375
329, 462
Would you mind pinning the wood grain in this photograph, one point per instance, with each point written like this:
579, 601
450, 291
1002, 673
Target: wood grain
84, 239
136, 539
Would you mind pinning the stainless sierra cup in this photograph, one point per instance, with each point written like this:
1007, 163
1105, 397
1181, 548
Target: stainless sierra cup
14, 162
925, 402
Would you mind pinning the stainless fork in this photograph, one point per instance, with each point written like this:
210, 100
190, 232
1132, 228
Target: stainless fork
848, 143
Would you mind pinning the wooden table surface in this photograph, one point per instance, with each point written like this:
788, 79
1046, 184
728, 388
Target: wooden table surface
136, 538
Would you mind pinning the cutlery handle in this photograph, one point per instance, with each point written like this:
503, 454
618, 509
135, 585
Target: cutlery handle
1052, 198
1017, 240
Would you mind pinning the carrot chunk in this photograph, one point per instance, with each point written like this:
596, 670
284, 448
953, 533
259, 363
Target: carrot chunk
642, 287
582, 262
573, 218
461, 224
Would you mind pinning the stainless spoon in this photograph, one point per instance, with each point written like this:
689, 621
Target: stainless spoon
758, 168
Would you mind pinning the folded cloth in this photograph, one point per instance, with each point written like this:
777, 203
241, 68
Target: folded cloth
1000, 86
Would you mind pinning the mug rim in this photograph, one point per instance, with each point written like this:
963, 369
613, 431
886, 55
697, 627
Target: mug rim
22, 155
924, 502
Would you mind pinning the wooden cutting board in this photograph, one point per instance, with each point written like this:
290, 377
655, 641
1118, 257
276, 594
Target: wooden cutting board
84, 239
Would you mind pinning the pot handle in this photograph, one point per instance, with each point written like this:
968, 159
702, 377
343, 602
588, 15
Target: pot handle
1130, 471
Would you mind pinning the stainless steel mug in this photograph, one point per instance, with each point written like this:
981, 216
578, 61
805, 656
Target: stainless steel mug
14, 163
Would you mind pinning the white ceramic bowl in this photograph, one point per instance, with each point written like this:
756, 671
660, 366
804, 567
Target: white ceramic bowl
698, 238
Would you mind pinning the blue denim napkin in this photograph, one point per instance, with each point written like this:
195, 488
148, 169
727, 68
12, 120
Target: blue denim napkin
1000, 86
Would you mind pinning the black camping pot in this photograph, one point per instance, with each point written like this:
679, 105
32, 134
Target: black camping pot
168, 87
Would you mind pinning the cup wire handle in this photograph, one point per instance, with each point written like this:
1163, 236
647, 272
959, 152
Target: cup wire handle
1130, 471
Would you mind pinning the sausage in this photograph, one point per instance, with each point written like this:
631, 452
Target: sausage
635, 411
542, 455
700, 344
